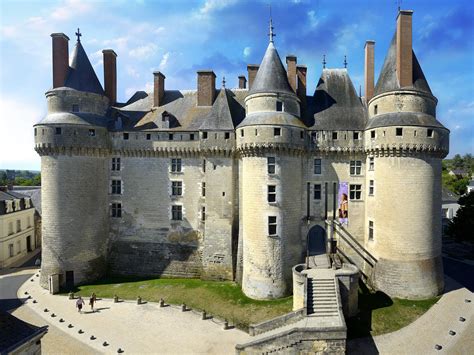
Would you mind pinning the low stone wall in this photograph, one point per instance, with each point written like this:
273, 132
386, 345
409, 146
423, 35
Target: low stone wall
348, 277
299, 280
288, 318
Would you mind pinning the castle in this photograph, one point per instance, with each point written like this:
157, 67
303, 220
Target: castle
239, 184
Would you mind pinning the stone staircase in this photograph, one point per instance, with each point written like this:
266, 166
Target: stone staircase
322, 297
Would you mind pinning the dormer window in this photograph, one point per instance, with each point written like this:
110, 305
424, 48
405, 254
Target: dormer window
9, 206
204, 135
376, 109
429, 133
165, 119
27, 203
75, 108
356, 135
17, 205
279, 106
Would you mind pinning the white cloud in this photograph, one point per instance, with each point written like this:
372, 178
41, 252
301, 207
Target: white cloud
131, 71
213, 5
313, 20
148, 87
247, 51
119, 44
164, 61
70, 8
143, 52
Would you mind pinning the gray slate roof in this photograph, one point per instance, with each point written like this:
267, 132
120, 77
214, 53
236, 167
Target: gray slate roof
220, 117
271, 76
15, 332
272, 119
336, 105
404, 119
81, 75
35, 196
76, 118
388, 76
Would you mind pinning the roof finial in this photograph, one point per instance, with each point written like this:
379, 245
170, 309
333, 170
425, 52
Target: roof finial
223, 82
324, 61
345, 61
271, 34
78, 34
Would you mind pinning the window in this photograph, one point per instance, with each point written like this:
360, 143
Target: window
317, 166
177, 213
371, 187
271, 193
371, 163
414, 133
399, 132
314, 137
355, 192
92, 132
256, 132
376, 109
125, 136
372, 134
429, 133
272, 225
204, 165
204, 135
18, 225
176, 165
176, 188
242, 133
355, 135
170, 137
35, 132
191, 136
277, 132
115, 164
18, 244
116, 187
9, 206
317, 191
17, 205
10, 250
203, 214
301, 134
28, 221
226, 135
27, 203
10, 228
116, 210
279, 106
371, 230
148, 136
271, 165
58, 130
334, 135
75, 108
355, 167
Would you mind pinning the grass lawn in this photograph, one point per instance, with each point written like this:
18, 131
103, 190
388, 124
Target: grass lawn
221, 299
380, 314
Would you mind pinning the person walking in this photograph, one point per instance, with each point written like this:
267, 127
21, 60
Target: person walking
79, 304
92, 301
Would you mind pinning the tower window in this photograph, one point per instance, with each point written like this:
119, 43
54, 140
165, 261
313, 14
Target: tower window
355, 191
177, 213
429, 133
355, 167
242, 133
92, 132
256, 132
371, 187
414, 133
115, 164
317, 166
279, 106
334, 135
371, 163
58, 130
203, 214
272, 225
301, 134
176, 188
271, 164
277, 132
271, 193
399, 131
372, 134
125, 136
18, 225
371, 230
75, 108
148, 136
203, 189
191, 137
116, 187
317, 191
116, 210
355, 135
226, 135
204, 135
204, 165
176, 165
376, 109
170, 137
35, 132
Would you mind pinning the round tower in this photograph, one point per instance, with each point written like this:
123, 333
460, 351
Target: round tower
72, 141
405, 145
270, 141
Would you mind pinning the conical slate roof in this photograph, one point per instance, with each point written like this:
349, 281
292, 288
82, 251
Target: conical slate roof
271, 76
388, 80
219, 118
81, 75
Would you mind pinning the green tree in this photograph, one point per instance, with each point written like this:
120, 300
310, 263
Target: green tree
462, 225
37, 180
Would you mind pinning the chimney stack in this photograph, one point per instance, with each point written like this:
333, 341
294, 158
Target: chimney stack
301, 89
404, 48
206, 87
60, 58
242, 82
110, 75
252, 70
158, 88
369, 70
291, 70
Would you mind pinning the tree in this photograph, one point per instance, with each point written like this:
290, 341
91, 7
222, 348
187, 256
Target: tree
462, 225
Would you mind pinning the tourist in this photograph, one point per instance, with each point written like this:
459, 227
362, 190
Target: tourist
79, 304
92, 300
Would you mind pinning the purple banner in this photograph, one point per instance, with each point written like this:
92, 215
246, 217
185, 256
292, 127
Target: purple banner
343, 211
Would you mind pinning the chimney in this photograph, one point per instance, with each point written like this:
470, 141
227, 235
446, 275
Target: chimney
404, 48
158, 88
291, 70
369, 70
206, 87
301, 89
110, 75
242, 82
252, 70
60, 58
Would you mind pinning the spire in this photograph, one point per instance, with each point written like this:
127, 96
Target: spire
324, 61
345, 61
78, 34
271, 34
223, 82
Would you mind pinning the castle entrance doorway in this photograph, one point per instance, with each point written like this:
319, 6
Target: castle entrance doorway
69, 280
316, 241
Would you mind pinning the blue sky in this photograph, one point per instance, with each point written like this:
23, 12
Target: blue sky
180, 37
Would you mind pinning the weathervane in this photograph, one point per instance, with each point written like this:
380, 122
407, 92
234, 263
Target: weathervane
345, 61
271, 34
78, 34
324, 61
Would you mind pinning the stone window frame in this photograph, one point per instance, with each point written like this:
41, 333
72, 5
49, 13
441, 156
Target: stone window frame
116, 209
148, 136
116, 164
11, 250
317, 192
279, 106
355, 167
203, 165
226, 135
356, 135
371, 163
18, 243
398, 131
177, 188
28, 222
317, 166
10, 228
203, 214
125, 136
116, 187
355, 192
334, 135
191, 136
17, 204
272, 224
9, 204
18, 225
271, 165
176, 165
203, 189
376, 107
27, 202
204, 135
176, 212
271, 194
430, 133
371, 230
277, 131
371, 187
373, 134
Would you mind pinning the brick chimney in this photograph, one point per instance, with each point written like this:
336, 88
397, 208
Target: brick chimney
60, 58
301, 89
404, 48
252, 70
206, 87
369, 70
158, 88
110, 75
242, 82
291, 70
